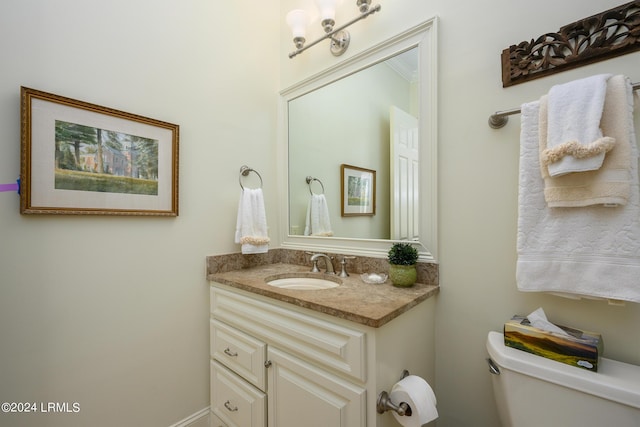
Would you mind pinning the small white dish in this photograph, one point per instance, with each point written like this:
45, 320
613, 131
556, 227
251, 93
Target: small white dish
374, 278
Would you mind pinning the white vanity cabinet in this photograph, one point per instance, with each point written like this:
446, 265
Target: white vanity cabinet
274, 364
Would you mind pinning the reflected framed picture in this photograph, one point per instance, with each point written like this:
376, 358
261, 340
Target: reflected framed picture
358, 191
85, 159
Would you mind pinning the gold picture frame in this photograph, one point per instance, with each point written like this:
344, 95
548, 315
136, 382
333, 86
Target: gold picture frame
357, 190
79, 158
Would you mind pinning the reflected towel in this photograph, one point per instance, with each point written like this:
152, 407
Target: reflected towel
611, 184
591, 251
251, 225
318, 222
575, 141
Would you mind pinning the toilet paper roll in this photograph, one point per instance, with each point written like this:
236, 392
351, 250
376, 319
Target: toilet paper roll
417, 393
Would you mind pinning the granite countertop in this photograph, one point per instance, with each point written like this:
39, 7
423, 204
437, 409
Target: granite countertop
354, 300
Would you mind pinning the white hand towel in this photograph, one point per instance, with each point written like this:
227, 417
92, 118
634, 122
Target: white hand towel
318, 222
575, 141
251, 225
591, 251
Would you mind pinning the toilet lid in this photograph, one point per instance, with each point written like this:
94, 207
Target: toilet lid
616, 381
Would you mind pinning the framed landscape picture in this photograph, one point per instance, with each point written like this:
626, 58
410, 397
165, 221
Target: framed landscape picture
358, 191
81, 158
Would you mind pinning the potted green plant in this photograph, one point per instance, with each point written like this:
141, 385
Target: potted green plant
402, 264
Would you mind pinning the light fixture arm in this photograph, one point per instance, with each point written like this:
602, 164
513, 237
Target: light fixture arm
335, 31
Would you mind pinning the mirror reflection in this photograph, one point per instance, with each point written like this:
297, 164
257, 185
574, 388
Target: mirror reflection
342, 132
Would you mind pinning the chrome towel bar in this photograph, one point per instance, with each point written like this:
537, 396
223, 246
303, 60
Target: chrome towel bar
500, 118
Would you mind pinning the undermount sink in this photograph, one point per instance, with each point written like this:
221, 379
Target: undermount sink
302, 282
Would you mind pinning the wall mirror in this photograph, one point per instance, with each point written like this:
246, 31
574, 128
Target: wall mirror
359, 151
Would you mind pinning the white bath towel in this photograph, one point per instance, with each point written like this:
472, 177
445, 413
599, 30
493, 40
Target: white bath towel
318, 222
611, 184
592, 251
251, 226
575, 141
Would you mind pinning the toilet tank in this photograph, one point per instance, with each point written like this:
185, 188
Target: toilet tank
533, 391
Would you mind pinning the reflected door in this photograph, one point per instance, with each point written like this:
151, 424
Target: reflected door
404, 175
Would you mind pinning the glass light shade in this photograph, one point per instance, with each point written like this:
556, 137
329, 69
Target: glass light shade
298, 20
327, 8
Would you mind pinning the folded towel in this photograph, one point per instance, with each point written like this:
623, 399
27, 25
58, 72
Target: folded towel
318, 222
575, 141
592, 251
611, 184
251, 226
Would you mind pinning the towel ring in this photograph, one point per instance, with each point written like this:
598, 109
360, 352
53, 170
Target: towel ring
244, 171
310, 180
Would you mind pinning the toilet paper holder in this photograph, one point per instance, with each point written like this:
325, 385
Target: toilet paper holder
385, 404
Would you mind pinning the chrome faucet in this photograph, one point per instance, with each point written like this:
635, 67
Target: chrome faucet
327, 262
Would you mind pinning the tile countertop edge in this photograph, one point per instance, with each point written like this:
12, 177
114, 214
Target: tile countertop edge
374, 314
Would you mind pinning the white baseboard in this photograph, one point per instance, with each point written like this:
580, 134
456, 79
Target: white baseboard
199, 419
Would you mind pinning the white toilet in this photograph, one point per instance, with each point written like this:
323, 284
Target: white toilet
533, 391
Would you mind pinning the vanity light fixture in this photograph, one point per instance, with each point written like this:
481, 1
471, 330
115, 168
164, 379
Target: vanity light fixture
298, 20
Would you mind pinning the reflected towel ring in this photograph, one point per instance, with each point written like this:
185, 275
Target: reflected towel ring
244, 171
309, 180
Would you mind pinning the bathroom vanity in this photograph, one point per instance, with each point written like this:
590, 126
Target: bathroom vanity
316, 358
283, 357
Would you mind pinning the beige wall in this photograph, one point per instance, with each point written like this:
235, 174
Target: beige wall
112, 312
478, 183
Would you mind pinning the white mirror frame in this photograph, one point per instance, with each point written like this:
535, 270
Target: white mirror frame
424, 37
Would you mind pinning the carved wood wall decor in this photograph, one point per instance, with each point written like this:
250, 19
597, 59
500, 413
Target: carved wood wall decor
596, 38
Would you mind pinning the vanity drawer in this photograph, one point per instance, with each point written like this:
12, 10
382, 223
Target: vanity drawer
330, 344
234, 401
239, 352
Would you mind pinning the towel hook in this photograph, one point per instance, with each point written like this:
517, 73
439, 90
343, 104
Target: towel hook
244, 171
309, 180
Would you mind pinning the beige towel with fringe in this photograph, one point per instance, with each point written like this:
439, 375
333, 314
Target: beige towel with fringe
611, 184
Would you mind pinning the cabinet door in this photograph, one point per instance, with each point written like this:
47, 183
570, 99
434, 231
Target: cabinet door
301, 394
